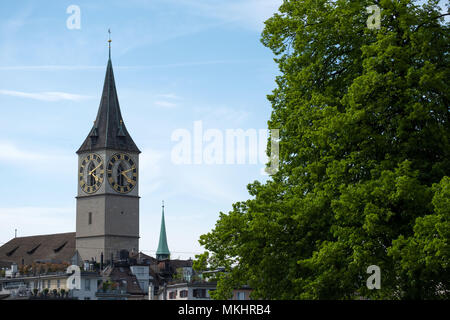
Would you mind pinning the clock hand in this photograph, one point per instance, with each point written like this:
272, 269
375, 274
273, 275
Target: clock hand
90, 172
124, 174
127, 170
95, 177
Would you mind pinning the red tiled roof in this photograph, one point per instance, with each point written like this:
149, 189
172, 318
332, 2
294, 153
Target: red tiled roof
124, 277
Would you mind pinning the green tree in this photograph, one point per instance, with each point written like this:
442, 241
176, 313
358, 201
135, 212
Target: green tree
364, 154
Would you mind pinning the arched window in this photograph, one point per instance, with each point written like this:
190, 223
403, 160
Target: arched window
91, 180
120, 177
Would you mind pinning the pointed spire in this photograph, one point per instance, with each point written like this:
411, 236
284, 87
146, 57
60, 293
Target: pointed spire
163, 250
109, 130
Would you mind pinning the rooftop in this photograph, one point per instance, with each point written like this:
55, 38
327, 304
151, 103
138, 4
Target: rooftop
54, 248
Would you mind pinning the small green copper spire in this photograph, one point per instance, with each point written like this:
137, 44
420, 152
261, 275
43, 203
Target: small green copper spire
163, 250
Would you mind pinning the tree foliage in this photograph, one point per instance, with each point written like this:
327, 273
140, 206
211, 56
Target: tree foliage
364, 159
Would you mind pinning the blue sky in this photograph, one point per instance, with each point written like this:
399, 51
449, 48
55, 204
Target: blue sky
175, 62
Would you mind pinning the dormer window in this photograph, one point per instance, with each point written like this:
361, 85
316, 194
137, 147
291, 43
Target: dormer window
33, 249
10, 253
57, 249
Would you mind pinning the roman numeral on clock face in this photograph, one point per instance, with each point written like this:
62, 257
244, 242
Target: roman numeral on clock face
121, 172
91, 173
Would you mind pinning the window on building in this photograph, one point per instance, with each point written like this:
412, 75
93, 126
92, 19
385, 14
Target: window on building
87, 284
183, 294
199, 293
240, 295
49, 284
173, 294
58, 283
90, 218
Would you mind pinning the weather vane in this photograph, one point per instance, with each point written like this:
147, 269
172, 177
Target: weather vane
109, 42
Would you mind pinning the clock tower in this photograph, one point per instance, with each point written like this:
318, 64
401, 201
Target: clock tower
107, 178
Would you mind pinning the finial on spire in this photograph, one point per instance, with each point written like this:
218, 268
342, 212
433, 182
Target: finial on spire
163, 204
109, 43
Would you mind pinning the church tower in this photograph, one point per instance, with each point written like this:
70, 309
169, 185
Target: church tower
107, 202
163, 252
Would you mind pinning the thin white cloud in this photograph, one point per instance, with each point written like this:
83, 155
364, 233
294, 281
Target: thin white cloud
44, 160
169, 96
12, 24
49, 68
11, 152
85, 67
248, 13
168, 101
223, 113
45, 96
31, 221
165, 104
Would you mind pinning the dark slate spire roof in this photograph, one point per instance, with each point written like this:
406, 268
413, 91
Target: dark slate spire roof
109, 131
163, 249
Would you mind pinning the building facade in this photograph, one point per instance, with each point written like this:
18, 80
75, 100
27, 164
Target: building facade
15, 285
187, 291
